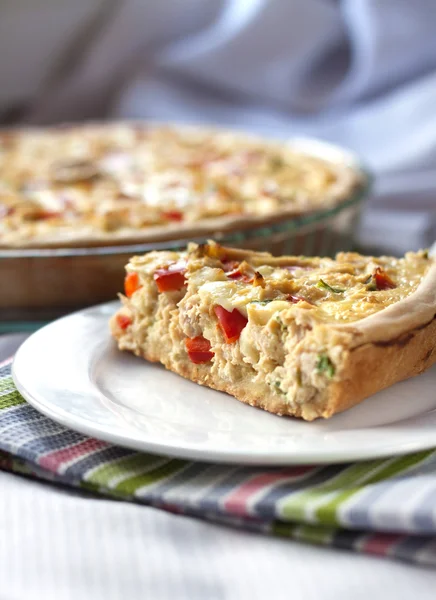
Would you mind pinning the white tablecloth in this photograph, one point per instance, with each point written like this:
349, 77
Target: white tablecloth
56, 545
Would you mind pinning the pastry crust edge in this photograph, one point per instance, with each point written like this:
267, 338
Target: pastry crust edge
375, 366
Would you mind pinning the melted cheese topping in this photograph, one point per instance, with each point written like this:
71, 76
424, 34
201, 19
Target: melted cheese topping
343, 290
79, 180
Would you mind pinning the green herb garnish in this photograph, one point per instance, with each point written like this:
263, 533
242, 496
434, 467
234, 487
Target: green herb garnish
278, 388
371, 285
276, 162
425, 254
325, 365
298, 377
263, 302
280, 322
325, 286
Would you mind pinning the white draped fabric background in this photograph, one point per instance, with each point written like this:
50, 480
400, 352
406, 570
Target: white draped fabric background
357, 72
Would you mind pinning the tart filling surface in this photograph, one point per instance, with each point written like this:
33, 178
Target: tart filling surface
114, 181
280, 333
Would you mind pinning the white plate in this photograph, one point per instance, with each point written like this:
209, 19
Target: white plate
71, 371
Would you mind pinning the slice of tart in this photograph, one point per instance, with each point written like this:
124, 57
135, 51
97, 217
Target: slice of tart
300, 336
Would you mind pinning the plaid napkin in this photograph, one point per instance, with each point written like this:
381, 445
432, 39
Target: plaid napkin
385, 507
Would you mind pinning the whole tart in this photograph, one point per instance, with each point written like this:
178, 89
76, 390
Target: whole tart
98, 184
307, 337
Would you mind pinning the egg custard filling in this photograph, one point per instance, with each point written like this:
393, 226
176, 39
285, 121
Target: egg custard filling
275, 332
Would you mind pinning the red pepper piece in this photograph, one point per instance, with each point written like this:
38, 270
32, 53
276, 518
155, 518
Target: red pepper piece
173, 215
233, 271
198, 350
239, 275
123, 321
229, 265
231, 323
382, 280
131, 284
171, 278
6, 211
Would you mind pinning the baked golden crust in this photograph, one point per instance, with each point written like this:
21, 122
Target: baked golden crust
130, 183
375, 366
296, 361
